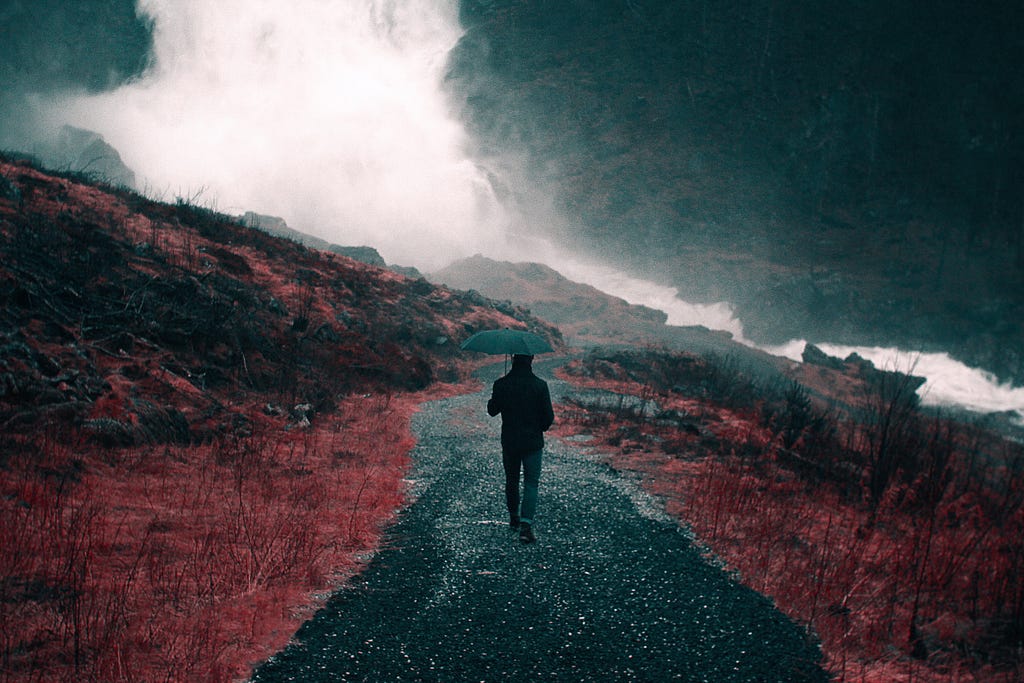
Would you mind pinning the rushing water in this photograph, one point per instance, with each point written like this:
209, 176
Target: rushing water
949, 382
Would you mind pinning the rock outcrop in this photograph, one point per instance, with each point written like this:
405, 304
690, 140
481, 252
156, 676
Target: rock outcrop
85, 152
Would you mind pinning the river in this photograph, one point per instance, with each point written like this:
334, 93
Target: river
949, 382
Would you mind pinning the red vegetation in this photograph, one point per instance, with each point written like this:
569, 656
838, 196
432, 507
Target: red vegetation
188, 562
916, 575
202, 428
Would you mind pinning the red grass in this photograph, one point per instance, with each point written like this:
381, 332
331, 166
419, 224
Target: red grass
929, 588
190, 563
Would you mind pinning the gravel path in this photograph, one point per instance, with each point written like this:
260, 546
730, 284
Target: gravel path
612, 591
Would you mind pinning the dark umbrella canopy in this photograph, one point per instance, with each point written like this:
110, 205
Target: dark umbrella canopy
507, 341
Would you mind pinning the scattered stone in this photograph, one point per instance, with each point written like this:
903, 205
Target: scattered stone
271, 409
108, 432
302, 414
9, 191
9, 385
162, 425
276, 307
326, 333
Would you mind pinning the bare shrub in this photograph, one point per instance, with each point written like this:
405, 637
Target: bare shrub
916, 576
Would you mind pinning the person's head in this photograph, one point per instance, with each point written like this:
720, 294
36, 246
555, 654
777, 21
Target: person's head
520, 360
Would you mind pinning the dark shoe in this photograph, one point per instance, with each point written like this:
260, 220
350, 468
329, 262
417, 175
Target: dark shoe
513, 523
526, 533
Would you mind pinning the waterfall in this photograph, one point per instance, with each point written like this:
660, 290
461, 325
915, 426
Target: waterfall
329, 114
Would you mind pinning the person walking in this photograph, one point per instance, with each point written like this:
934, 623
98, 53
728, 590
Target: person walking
524, 403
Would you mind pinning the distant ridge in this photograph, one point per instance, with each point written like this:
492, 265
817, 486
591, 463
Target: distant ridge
589, 317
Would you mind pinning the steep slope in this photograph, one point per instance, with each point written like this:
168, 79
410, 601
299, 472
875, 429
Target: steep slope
839, 172
587, 316
50, 45
202, 427
106, 294
581, 312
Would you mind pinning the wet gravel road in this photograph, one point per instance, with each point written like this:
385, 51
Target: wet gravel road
611, 591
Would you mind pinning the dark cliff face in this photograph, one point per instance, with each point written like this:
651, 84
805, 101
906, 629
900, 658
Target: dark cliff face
91, 44
50, 45
840, 171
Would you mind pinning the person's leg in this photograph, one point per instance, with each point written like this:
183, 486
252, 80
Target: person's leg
531, 481
512, 465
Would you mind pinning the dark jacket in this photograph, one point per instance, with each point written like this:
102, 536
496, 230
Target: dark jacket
524, 402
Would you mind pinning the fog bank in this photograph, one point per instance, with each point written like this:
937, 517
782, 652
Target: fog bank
328, 114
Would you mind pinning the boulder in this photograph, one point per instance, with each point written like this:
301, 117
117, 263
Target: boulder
9, 191
279, 228
367, 255
812, 355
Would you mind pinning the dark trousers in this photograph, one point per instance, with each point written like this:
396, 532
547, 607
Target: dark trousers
529, 464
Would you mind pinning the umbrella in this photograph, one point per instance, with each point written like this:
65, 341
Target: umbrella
506, 341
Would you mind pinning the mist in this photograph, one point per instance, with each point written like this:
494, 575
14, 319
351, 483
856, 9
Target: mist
327, 114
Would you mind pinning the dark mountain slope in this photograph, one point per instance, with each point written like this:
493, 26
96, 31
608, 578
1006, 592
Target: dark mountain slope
51, 45
836, 170
842, 172
589, 317
160, 318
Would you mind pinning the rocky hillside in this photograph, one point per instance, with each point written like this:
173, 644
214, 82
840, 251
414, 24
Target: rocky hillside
203, 427
50, 45
141, 322
582, 312
839, 172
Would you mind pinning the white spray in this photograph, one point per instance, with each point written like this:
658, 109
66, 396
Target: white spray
327, 113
